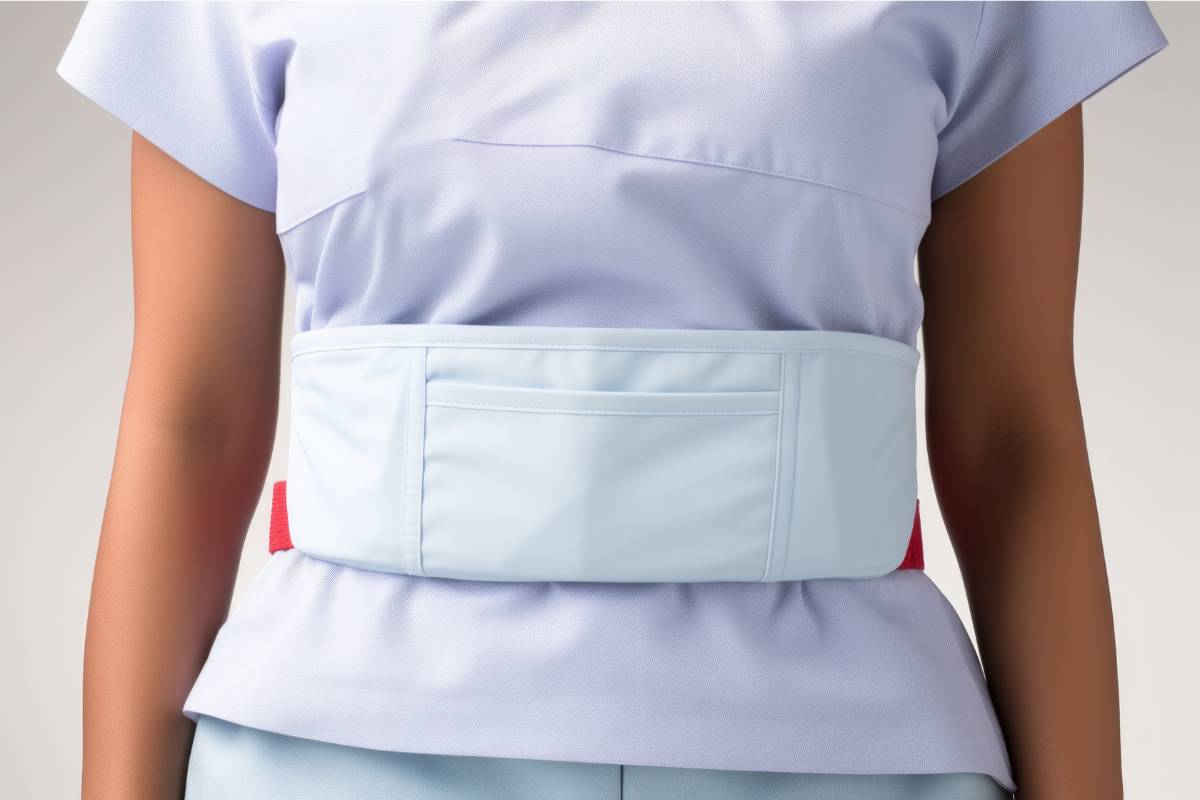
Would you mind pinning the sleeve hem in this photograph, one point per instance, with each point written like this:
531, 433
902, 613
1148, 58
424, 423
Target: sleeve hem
1048, 114
223, 178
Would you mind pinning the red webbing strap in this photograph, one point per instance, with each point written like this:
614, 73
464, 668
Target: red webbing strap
915, 557
281, 539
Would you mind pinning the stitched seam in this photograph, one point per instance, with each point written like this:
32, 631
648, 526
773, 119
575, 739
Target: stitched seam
623, 411
404, 476
983, 8
680, 398
783, 359
793, 453
952, 104
267, 110
305, 216
798, 465
419, 510
709, 162
289, 262
649, 348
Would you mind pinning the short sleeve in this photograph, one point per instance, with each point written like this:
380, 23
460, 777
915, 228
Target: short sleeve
183, 76
1031, 62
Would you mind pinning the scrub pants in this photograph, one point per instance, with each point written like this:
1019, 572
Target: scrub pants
232, 762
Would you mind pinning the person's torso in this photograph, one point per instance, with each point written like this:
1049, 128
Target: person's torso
704, 165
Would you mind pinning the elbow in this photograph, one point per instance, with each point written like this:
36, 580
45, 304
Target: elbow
999, 482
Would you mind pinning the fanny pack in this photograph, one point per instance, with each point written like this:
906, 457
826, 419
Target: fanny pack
541, 453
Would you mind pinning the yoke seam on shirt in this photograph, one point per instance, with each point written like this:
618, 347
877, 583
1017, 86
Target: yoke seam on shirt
710, 162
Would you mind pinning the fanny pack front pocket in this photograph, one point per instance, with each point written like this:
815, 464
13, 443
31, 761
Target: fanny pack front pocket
515, 453
533, 483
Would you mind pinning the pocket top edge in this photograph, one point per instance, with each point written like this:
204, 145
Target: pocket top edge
450, 393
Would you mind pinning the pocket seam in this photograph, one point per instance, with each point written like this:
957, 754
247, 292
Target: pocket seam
411, 527
773, 527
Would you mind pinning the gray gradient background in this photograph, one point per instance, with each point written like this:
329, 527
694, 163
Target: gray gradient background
65, 286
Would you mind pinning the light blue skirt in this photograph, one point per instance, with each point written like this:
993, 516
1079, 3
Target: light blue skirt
232, 762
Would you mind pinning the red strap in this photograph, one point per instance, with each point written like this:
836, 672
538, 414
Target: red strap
915, 557
281, 538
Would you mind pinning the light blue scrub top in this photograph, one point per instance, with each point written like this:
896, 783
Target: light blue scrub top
716, 165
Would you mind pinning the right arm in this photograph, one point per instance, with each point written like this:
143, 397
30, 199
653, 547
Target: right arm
195, 437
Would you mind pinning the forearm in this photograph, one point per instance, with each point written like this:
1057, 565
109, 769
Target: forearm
1022, 515
181, 494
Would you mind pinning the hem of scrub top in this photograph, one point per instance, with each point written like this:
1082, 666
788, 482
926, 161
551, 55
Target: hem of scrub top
426, 741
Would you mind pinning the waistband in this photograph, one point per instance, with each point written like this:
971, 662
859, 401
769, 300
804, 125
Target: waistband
601, 454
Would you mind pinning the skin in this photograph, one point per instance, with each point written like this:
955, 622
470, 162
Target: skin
195, 438
997, 267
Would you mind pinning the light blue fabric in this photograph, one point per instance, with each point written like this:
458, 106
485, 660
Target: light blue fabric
526, 453
660, 165
230, 762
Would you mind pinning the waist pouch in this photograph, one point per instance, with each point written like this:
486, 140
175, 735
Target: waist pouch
538, 453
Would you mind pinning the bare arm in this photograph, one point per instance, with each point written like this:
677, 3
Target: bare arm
196, 431
998, 269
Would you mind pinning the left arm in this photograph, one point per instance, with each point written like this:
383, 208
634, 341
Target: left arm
998, 267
